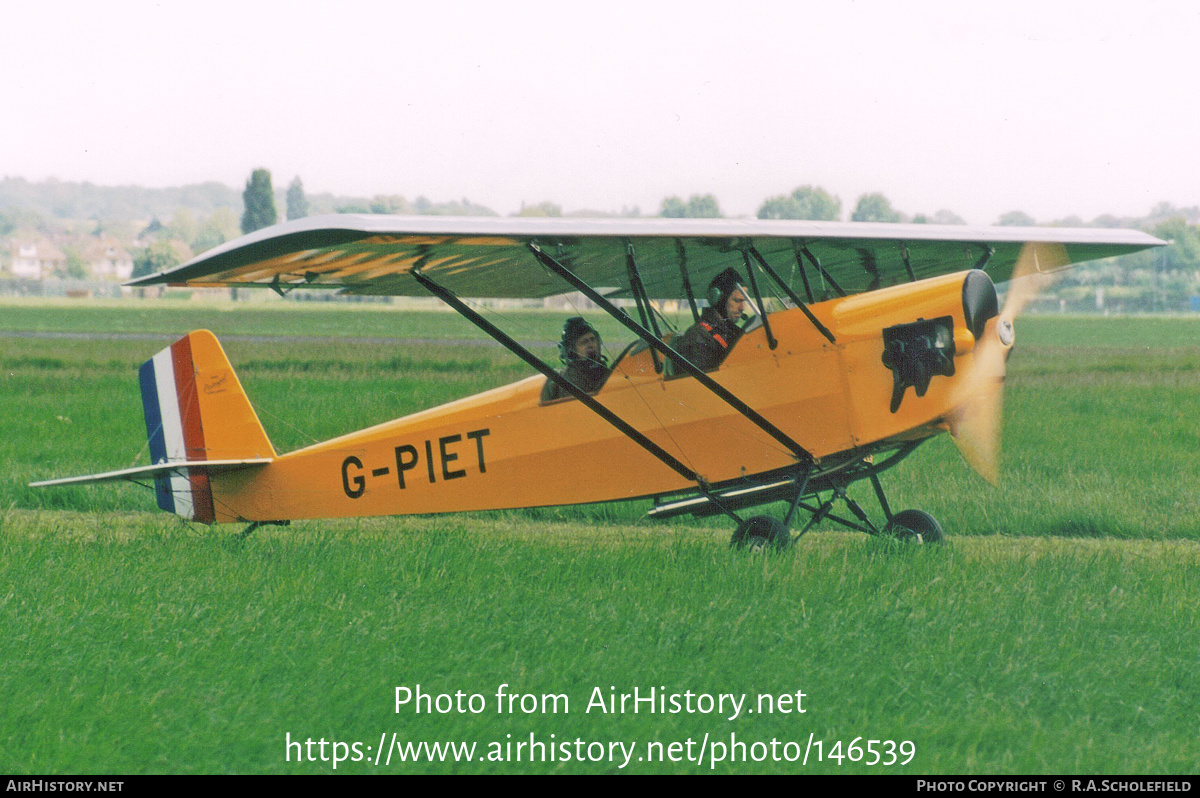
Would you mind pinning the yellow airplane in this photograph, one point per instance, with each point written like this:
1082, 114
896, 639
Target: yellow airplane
814, 395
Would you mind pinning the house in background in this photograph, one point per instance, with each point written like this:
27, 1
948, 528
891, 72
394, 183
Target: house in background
34, 257
107, 259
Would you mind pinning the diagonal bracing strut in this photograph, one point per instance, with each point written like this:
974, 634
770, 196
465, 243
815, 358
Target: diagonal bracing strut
682, 363
821, 328
509, 343
622, 426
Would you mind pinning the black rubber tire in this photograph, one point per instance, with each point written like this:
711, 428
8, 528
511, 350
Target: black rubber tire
761, 532
916, 526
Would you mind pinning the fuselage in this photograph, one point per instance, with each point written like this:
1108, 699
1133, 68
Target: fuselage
503, 448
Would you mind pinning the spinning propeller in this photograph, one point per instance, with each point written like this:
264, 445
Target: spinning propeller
975, 426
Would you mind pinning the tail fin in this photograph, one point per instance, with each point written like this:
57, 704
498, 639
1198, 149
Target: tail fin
196, 410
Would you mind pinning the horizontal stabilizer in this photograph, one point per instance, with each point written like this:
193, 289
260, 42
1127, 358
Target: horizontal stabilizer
199, 423
184, 467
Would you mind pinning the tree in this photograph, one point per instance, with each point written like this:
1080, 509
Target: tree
1184, 251
220, 226
259, 201
297, 203
154, 229
159, 256
17, 218
703, 207
1162, 210
74, 267
1016, 219
673, 208
697, 207
817, 203
947, 217
183, 226
805, 202
875, 208
390, 203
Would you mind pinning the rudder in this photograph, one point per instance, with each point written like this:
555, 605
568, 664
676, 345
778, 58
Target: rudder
196, 410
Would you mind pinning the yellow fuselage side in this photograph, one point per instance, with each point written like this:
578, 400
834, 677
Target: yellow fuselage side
502, 449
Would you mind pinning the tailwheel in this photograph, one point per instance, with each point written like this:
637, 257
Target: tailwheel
761, 532
916, 526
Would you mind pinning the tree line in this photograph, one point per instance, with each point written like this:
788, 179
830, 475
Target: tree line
203, 216
1159, 280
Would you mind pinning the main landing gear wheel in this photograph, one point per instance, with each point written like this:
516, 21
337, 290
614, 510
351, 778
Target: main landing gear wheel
761, 532
916, 526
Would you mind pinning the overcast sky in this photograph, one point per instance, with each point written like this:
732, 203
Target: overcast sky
1053, 108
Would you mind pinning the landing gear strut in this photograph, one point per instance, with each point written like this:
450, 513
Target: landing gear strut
816, 491
763, 531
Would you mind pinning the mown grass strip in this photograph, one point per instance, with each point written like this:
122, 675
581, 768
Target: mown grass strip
133, 643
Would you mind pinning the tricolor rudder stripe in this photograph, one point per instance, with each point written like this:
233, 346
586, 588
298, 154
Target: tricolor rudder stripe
171, 405
206, 442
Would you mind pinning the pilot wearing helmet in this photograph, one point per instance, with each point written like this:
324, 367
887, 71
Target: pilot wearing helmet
708, 341
579, 350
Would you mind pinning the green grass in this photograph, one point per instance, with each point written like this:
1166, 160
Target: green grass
132, 643
278, 318
1052, 633
1135, 332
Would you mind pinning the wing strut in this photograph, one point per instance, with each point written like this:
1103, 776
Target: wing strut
772, 344
813, 260
687, 283
912, 278
643, 302
804, 274
792, 294
682, 363
624, 427
987, 255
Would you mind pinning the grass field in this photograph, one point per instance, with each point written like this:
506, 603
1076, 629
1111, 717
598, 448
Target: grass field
1053, 632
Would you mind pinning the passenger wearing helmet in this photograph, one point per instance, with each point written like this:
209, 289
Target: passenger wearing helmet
579, 350
708, 341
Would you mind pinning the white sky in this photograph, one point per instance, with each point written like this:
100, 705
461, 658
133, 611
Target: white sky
1053, 108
